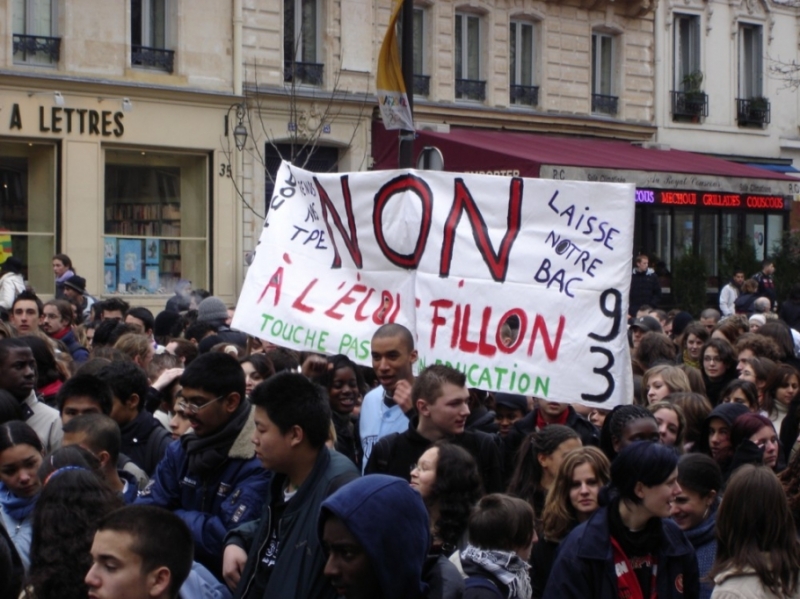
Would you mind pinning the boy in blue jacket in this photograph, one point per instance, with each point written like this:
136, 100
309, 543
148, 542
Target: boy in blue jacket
210, 477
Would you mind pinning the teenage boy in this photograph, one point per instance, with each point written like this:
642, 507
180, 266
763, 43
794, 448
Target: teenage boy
83, 394
144, 439
509, 409
75, 293
279, 556
18, 377
441, 398
57, 323
386, 408
26, 313
211, 477
139, 552
375, 534
100, 435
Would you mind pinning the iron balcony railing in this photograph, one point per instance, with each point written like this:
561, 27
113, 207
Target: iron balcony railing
692, 105
308, 73
605, 104
753, 111
29, 46
470, 89
524, 94
156, 58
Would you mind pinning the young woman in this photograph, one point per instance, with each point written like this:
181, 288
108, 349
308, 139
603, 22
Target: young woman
447, 478
758, 554
661, 380
695, 509
691, 344
501, 532
630, 548
781, 388
71, 504
257, 368
755, 441
625, 425
63, 270
671, 424
342, 380
695, 408
741, 391
538, 460
790, 479
20, 457
757, 371
572, 500
718, 366
716, 438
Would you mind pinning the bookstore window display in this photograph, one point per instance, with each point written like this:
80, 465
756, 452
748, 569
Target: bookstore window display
27, 209
156, 215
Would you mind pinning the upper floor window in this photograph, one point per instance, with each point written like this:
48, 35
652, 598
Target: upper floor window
149, 35
469, 85
301, 51
752, 107
421, 79
689, 101
522, 65
604, 98
35, 24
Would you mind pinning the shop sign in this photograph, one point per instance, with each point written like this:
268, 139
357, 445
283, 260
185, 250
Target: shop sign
452, 257
83, 121
712, 200
669, 181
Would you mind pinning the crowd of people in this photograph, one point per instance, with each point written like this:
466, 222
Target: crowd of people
168, 455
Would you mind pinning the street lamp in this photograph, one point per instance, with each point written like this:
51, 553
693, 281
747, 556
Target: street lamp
240, 131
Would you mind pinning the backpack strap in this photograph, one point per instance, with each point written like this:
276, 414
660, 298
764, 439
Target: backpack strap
479, 582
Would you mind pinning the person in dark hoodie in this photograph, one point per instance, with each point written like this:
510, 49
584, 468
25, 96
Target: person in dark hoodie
695, 510
374, 532
715, 440
144, 439
210, 477
213, 311
279, 556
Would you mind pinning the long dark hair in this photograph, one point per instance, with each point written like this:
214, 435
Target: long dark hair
46, 366
456, 490
779, 377
643, 462
16, 433
65, 519
759, 535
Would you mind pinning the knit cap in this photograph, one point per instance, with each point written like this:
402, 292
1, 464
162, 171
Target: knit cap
212, 309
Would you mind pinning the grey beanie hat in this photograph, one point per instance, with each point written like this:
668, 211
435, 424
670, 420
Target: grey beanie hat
212, 309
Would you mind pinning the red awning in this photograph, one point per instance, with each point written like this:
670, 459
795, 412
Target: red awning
524, 154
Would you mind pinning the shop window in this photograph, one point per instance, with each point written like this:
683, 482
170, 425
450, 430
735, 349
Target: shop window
301, 49
149, 35
156, 221
752, 107
604, 98
319, 159
689, 102
709, 248
469, 85
522, 63
35, 41
27, 210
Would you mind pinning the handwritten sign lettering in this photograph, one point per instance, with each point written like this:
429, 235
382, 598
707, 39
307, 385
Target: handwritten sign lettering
456, 258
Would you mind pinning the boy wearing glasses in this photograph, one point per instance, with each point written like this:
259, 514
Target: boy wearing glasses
210, 476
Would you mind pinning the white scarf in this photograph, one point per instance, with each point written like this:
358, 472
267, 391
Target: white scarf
506, 566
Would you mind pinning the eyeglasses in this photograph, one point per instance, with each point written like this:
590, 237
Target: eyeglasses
420, 467
716, 359
193, 408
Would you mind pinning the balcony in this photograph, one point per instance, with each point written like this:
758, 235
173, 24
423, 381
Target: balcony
154, 58
422, 85
690, 106
605, 104
307, 73
524, 94
470, 89
753, 111
37, 49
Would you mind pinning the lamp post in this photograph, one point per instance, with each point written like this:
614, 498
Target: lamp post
406, 151
240, 131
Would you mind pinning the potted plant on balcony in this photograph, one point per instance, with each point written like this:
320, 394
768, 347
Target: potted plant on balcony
759, 108
694, 99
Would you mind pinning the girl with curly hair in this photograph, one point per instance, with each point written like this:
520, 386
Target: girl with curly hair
625, 425
573, 498
447, 478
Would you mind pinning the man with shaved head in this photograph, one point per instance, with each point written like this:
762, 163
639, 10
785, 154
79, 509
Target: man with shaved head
386, 409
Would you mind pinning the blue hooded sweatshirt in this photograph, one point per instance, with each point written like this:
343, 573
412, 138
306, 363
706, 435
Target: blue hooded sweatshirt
388, 518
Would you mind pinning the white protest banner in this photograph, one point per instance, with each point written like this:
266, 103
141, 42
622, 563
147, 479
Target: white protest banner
452, 257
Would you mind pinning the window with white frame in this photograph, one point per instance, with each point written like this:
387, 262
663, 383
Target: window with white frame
751, 78
604, 99
469, 85
34, 24
150, 35
686, 63
301, 51
421, 77
522, 62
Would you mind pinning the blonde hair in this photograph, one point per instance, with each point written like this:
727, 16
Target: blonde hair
134, 346
674, 378
559, 515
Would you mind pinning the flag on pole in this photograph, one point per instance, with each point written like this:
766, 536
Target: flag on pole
392, 97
